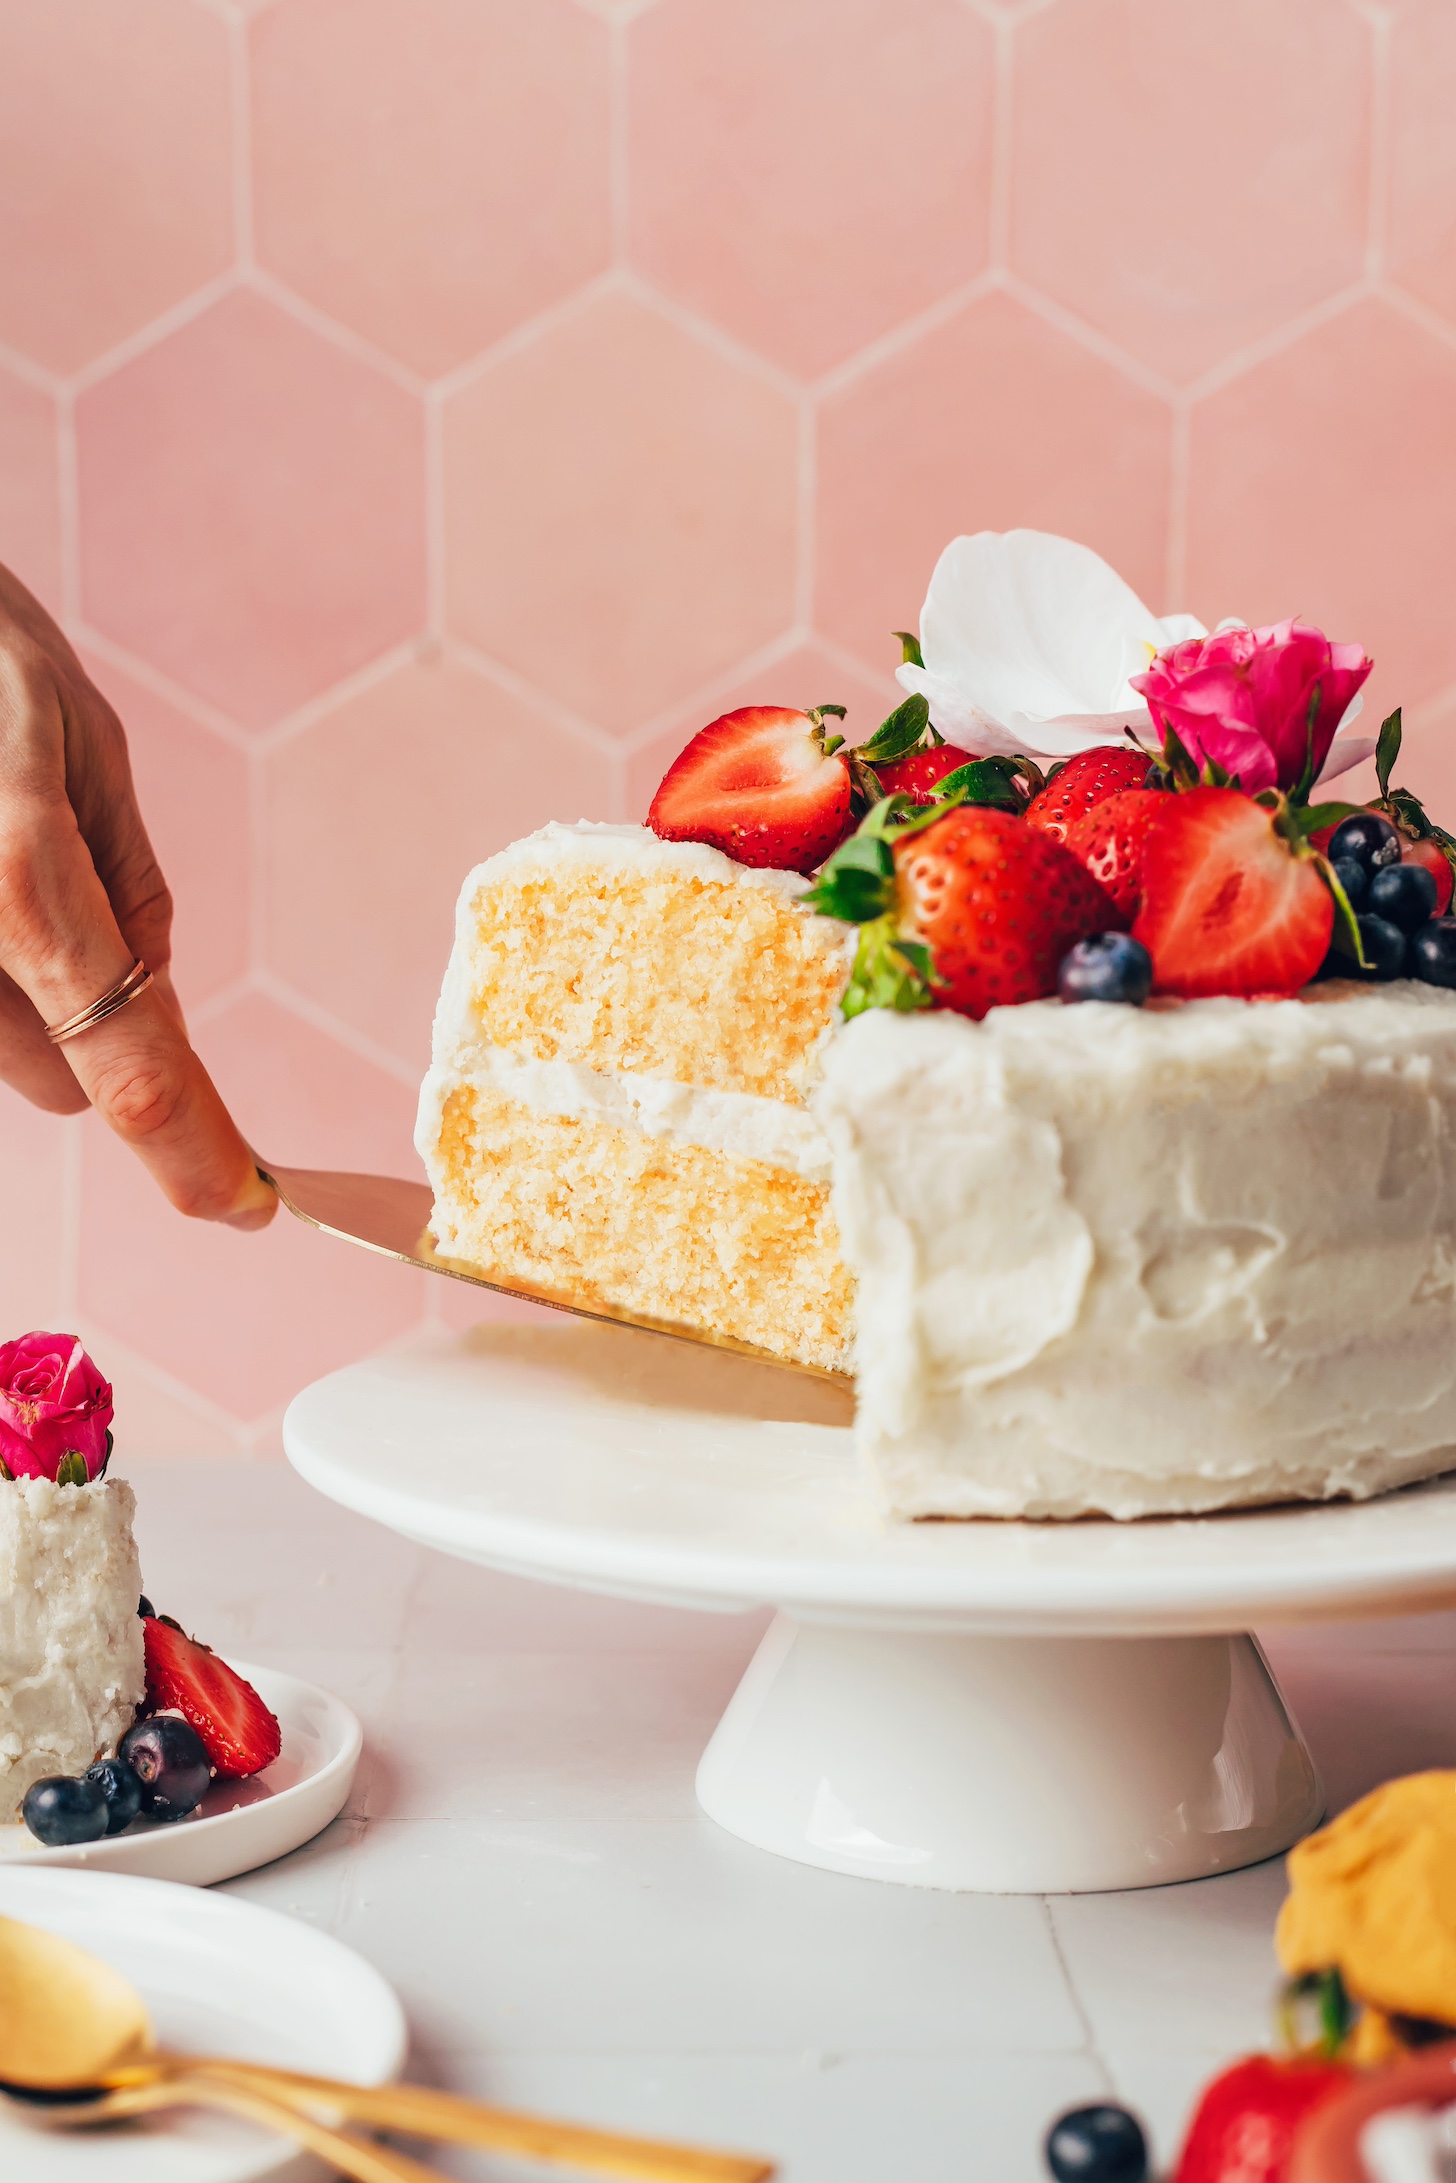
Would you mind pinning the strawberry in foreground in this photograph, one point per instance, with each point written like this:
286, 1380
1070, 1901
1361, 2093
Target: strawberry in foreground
768, 786
1109, 840
1084, 782
1244, 2127
967, 908
240, 1734
1229, 903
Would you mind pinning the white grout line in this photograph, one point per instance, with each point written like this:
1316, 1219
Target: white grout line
906, 335
156, 330
259, 888
1180, 456
1088, 337
806, 498
374, 671
1002, 121
527, 693
708, 695
527, 334
28, 372
435, 513
260, 282
1380, 144
287, 997
1277, 340
181, 699
202, 1407
710, 335
1419, 313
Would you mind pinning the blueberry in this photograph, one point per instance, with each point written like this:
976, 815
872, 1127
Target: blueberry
1403, 894
62, 1810
170, 1760
1368, 839
1353, 877
1384, 946
122, 1790
1111, 966
1431, 952
1101, 2144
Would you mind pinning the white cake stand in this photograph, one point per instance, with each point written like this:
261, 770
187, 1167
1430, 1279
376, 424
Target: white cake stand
1003, 1706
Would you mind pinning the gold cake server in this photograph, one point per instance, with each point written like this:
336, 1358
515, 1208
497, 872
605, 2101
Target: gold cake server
384, 1213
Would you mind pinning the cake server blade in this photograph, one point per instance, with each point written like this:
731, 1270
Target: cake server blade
387, 1214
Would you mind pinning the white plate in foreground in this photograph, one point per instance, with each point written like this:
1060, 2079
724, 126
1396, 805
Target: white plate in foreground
617, 1461
239, 1824
219, 1977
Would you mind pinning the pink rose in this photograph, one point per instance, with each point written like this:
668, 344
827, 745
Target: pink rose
1242, 696
54, 1410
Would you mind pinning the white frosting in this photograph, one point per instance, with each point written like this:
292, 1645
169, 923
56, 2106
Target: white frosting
730, 1122
1142, 1261
71, 1653
737, 1123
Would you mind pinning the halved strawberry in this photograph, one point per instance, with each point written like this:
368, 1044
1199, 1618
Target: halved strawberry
917, 775
765, 785
1085, 780
1108, 841
241, 1735
1228, 904
997, 903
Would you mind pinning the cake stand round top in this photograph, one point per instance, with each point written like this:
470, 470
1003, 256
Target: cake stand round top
625, 1462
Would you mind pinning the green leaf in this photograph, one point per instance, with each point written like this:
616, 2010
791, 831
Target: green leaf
1177, 760
71, 1470
1345, 932
985, 781
888, 973
1334, 2013
106, 1458
901, 733
1299, 794
5, 1471
910, 653
1387, 750
1312, 818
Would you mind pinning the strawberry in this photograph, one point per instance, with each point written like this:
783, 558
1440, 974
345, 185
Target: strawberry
1108, 841
763, 784
916, 775
1086, 780
1434, 858
1244, 2127
241, 1735
1228, 904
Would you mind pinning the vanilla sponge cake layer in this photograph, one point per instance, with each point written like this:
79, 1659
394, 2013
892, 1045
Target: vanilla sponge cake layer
615, 1104
659, 1228
1144, 1262
72, 1670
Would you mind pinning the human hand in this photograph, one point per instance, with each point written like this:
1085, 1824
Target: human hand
81, 898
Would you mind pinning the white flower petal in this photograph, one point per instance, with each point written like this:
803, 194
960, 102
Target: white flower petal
1029, 641
1346, 751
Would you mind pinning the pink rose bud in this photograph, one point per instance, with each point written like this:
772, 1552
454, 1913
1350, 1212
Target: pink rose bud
54, 1410
1242, 698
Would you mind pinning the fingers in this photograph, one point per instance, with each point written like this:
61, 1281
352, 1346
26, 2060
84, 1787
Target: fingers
28, 1061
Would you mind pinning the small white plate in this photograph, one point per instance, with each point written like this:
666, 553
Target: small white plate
219, 1976
239, 1824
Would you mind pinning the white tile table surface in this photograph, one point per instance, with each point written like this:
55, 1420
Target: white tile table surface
524, 1859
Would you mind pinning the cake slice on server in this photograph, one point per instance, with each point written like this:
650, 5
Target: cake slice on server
616, 1106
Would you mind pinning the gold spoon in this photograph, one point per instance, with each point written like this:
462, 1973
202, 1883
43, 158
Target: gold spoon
70, 2023
384, 1213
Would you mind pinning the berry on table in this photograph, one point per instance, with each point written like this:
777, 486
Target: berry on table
63, 1810
1367, 838
1403, 894
1102, 2144
1110, 966
170, 1761
122, 1790
1384, 946
1353, 877
1431, 952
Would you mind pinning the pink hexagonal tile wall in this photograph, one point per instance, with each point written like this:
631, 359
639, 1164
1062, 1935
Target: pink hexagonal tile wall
1324, 484
30, 489
809, 173
995, 421
252, 510
1220, 150
620, 512
32, 1156
431, 172
115, 169
193, 791
1423, 152
362, 878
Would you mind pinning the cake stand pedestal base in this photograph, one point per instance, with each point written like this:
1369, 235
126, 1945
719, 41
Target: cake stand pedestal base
1009, 1765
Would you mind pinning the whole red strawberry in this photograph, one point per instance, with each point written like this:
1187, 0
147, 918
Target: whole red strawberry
1109, 840
1437, 863
242, 1736
765, 785
1085, 780
917, 775
1244, 2126
1228, 904
997, 903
